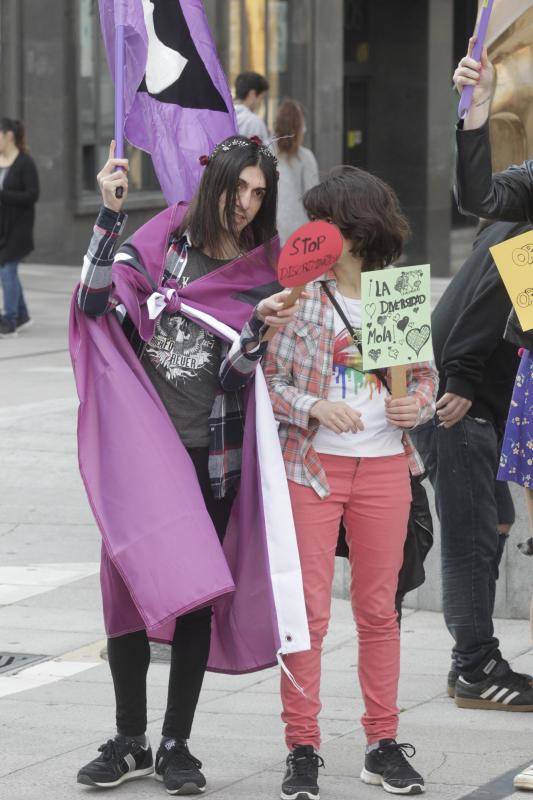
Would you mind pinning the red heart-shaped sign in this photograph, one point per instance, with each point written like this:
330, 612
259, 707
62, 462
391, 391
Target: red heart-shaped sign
309, 253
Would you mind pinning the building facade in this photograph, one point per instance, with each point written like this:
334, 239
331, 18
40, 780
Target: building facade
373, 75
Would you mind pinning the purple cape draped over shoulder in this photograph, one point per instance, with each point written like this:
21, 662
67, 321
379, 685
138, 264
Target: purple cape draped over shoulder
161, 557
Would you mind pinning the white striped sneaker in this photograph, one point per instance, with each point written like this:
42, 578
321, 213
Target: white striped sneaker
502, 689
524, 779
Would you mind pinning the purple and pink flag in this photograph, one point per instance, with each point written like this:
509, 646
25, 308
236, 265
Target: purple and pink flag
176, 99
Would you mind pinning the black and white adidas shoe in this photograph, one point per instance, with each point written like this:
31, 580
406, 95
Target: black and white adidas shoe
387, 766
501, 689
178, 769
121, 759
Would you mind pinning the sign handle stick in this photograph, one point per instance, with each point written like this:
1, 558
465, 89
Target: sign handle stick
399, 381
291, 299
468, 91
119, 97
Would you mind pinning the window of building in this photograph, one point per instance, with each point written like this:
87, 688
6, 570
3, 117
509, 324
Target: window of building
95, 116
258, 33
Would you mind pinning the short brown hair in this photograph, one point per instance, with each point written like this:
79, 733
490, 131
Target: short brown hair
367, 212
288, 125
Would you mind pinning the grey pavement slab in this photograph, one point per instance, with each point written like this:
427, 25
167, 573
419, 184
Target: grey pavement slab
49, 731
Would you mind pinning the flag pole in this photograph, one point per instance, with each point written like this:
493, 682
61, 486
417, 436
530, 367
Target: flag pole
119, 96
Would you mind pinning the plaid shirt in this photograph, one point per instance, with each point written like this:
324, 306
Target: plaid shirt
298, 368
226, 422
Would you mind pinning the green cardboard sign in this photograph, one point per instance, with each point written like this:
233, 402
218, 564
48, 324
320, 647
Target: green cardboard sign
396, 317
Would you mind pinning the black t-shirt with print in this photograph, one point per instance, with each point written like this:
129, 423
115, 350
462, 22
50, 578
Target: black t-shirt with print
183, 361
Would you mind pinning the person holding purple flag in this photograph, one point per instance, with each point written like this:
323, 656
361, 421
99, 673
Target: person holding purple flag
170, 448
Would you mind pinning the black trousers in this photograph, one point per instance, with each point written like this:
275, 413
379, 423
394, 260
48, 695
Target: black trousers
129, 655
462, 464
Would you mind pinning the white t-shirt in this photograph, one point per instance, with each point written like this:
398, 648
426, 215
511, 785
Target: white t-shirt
363, 392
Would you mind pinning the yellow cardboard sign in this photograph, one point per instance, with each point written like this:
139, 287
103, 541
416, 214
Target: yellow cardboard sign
514, 259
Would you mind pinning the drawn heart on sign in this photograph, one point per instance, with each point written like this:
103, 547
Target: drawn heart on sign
416, 338
396, 317
416, 310
402, 324
368, 324
374, 354
370, 309
382, 319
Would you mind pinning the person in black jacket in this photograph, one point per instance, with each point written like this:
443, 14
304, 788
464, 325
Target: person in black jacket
506, 195
460, 448
19, 191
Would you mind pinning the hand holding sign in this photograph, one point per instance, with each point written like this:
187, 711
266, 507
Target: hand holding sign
396, 321
309, 253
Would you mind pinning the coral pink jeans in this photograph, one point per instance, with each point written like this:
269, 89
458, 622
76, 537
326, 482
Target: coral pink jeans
373, 497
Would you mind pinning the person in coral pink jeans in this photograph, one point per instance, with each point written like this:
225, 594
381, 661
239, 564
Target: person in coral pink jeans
348, 456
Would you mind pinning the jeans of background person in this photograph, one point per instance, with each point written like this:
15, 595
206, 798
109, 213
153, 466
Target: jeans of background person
14, 305
129, 655
462, 463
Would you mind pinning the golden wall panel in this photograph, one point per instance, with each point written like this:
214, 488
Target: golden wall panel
510, 42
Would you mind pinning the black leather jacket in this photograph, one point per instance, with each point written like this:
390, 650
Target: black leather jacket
506, 196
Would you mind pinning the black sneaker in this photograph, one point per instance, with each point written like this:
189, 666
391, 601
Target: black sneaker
23, 322
178, 769
7, 328
122, 760
387, 766
501, 689
301, 778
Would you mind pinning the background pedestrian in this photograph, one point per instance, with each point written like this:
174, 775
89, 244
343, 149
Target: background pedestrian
298, 169
250, 91
19, 191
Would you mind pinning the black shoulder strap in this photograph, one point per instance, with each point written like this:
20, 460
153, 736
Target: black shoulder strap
381, 373
342, 315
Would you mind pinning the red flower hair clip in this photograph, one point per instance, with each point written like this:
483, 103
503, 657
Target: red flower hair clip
204, 160
256, 140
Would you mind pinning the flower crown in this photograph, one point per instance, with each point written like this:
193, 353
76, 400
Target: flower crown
229, 144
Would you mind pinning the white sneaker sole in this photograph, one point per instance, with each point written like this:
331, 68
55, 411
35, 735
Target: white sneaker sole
129, 776
300, 796
374, 779
523, 781
187, 788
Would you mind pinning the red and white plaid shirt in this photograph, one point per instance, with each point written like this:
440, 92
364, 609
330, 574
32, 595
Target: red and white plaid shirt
298, 367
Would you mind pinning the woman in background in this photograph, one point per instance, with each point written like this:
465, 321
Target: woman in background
19, 191
298, 170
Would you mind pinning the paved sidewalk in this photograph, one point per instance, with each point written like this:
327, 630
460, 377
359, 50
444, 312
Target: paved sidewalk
55, 713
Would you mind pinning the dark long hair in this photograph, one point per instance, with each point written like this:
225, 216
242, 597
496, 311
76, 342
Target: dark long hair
367, 212
17, 129
288, 126
221, 174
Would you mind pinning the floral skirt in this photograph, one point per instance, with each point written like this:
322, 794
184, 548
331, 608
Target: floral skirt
516, 463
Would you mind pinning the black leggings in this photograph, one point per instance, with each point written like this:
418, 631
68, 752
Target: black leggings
129, 655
